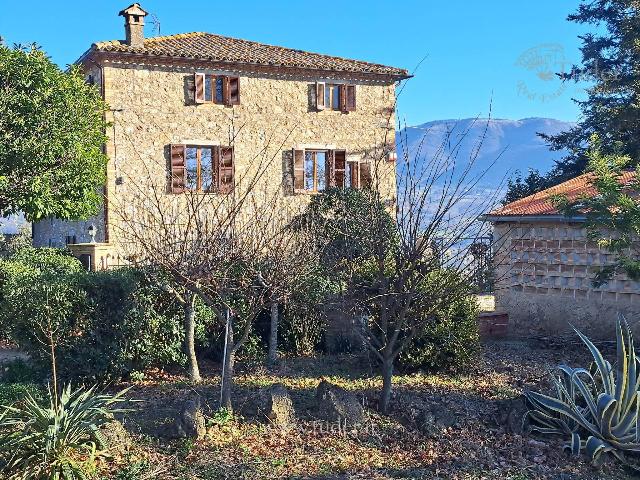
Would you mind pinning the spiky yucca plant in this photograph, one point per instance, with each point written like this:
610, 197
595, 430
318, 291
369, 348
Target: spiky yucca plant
55, 442
599, 410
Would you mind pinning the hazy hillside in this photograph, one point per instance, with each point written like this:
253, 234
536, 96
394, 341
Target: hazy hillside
513, 142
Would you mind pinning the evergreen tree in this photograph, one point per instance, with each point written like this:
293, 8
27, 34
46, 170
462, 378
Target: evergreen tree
611, 61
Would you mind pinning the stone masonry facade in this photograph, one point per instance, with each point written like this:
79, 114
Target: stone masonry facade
544, 273
152, 106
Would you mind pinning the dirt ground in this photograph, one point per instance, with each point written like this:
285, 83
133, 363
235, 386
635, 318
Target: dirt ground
469, 440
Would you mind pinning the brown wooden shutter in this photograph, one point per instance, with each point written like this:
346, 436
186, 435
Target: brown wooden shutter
354, 174
320, 89
298, 170
178, 172
215, 167
349, 98
234, 91
226, 91
225, 169
365, 175
339, 168
329, 170
199, 83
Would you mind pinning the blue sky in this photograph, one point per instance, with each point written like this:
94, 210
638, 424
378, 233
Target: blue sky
477, 52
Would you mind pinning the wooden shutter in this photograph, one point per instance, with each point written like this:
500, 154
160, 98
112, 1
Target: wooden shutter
199, 83
226, 91
354, 174
298, 170
225, 169
365, 175
329, 171
178, 172
339, 168
234, 91
349, 98
320, 89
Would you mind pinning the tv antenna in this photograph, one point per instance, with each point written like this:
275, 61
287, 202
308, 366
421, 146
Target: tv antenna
155, 21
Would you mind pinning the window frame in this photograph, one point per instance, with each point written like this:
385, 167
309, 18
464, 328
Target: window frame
352, 175
336, 96
214, 79
314, 152
198, 188
331, 90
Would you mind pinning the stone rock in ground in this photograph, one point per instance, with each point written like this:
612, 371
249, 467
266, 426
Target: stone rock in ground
336, 404
275, 405
436, 419
511, 414
114, 437
189, 423
429, 416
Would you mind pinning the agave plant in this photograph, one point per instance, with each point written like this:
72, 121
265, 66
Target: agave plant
599, 410
55, 442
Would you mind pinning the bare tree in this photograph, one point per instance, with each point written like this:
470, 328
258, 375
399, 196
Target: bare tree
231, 249
411, 263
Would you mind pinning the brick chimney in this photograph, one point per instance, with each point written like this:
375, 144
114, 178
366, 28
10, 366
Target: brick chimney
134, 24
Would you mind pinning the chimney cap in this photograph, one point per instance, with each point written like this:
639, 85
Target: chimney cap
134, 9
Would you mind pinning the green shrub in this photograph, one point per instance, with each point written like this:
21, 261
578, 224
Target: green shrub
42, 304
57, 441
303, 320
131, 326
448, 343
13, 392
597, 411
107, 324
20, 371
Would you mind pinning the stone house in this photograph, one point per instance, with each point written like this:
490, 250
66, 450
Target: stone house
195, 110
544, 266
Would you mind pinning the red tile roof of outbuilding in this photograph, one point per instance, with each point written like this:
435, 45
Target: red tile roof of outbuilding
540, 204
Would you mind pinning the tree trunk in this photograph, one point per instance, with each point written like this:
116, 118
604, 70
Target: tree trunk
385, 395
272, 356
190, 337
54, 373
227, 371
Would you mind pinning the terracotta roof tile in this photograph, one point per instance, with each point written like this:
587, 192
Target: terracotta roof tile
541, 203
207, 46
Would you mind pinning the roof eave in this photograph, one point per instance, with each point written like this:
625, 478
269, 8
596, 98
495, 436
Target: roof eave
137, 55
497, 218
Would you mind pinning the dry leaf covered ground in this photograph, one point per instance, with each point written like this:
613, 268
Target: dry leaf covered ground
469, 441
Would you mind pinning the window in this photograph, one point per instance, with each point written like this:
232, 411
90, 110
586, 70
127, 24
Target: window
316, 170
220, 89
204, 169
332, 96
199, 168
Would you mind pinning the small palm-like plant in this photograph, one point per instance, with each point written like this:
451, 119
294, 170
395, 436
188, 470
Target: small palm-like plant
599, 410
55, 442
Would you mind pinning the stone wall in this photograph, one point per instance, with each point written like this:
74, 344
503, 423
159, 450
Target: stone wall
544, 274
153, 107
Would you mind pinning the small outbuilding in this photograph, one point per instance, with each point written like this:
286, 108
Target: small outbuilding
544, 267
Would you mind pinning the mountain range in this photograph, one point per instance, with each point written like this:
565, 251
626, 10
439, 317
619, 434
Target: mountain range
502, 146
